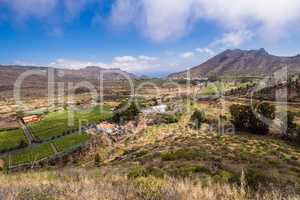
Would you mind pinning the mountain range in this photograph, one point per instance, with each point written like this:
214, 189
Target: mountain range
242, 63
35, 85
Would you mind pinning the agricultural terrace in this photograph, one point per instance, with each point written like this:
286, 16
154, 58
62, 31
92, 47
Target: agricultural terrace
39, 152
70, 142
11, 139
220, 87
57, 124
29, 155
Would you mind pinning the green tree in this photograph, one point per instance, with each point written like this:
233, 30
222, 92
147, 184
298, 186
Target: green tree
250, 118
289, 127
125, 112
22, 144
20, 113
197, 118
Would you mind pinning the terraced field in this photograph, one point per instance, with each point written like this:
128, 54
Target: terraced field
50, 131
11, 139
70, 142
29, 155
38, 152
57, 123
219, 87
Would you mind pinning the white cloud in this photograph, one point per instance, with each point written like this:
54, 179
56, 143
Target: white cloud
147, 58
25, 63
125, 59
24, 9
75, 64
187, 55
31, 8
157, 19
161, 20
206, 51
127, 63
232, 39
135, 64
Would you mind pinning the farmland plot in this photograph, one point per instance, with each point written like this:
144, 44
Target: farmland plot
11, 139
57, 123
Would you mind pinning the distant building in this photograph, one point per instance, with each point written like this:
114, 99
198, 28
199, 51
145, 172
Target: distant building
106, 127
155, 109
31, 119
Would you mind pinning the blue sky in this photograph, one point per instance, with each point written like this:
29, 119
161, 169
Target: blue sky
151, 37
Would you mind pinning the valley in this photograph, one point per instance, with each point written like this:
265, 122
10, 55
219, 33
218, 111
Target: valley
152, 135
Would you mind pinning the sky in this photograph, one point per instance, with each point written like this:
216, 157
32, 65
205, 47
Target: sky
145, 37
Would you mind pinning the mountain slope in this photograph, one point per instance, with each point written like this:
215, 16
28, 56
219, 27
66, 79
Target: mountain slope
240, 62
9, 74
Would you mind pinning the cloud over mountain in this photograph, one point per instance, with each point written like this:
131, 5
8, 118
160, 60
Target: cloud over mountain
161, 20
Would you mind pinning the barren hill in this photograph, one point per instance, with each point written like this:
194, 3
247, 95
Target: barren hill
37, 84
242, 63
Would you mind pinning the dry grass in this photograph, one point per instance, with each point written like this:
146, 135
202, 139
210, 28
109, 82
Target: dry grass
81, 184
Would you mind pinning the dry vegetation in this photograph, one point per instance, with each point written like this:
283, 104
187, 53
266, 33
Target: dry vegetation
169, 161
93, 185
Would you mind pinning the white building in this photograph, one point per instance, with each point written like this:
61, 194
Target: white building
155, 109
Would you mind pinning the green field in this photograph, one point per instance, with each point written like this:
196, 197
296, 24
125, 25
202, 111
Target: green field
220, 87
11, 139
69, 142
38, 152
29, 155
57, 123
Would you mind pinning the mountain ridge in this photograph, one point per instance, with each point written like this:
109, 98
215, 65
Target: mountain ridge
239, 62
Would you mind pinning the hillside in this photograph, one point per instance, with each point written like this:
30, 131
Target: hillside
37, 84
242, 63
169, 161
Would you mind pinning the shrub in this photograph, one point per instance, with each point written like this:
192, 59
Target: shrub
183, 154
289, 127
156, 172
168, 118
22, 144
223, 176
255, 179
137, 171
184, 171
149, 188
97, 160
243, 117
197, 118
20, 113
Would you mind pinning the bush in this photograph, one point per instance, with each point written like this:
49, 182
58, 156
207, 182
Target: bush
184, 154
223, 176
149, 188
168, 119
184, 171
20, 113
121, 115
137, 171
289, 127
97, 160
255, 179
243, 117
197, 118
22, 144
